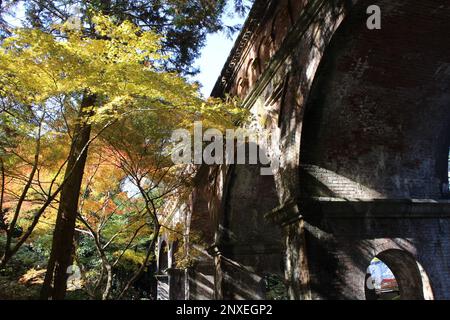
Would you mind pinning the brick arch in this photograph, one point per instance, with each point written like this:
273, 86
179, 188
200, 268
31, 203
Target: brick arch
251, 72
242, 86
369, 101
345, 117
263, 53
273, 35
250, 245
202, 221
280, 25
408, 272
373, 124
408, 267
249, 197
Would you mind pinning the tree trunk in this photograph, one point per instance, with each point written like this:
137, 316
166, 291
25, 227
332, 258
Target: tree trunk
2, 190
109, 279
106, 265
61, 256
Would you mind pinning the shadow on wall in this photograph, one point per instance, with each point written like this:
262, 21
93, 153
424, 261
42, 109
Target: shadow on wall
409, 276
377, 125
340, 250
201, 285
251, 246
378, 114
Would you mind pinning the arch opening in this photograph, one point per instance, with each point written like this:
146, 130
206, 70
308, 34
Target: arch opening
381, 283
251, 263
395, 275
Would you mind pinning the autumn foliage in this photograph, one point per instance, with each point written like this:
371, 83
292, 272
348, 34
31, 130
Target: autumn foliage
128, 176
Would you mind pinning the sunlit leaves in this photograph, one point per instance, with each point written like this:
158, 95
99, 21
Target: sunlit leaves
121, 65
134, 107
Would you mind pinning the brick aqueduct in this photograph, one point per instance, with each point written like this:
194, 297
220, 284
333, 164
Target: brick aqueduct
362, 120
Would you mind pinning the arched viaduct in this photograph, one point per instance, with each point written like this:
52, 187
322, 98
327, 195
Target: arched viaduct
362, 125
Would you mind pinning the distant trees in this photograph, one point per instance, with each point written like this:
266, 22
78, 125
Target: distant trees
31, 162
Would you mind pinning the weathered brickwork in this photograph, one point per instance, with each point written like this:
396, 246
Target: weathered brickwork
344, 236
383, 122
362, 125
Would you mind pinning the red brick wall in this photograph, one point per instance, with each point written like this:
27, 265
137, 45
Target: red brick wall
379, 111
365, 114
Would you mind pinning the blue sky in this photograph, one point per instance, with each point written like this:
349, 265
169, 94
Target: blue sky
213, 55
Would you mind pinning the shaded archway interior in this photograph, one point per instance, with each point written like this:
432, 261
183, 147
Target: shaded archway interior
250, 244
163, 255
376, 127
378, 114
